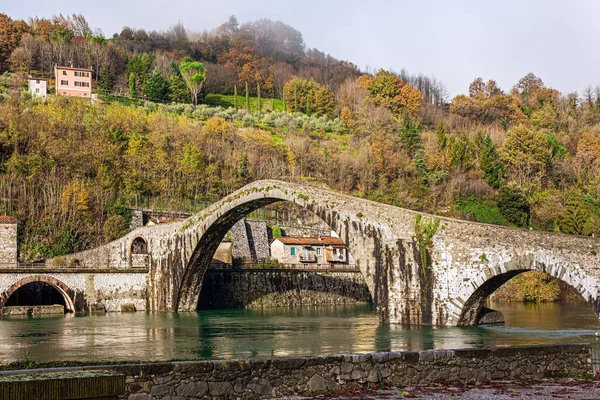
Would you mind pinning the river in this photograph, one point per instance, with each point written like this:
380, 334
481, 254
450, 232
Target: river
274, 332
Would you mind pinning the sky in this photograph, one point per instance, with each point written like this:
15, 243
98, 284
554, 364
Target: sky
456, 41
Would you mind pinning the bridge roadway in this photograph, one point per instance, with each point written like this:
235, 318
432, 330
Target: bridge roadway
420, 268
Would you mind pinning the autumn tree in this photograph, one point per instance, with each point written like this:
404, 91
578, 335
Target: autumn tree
388, 90
194, 74
10, 35
476, 87
301, 92
526, 153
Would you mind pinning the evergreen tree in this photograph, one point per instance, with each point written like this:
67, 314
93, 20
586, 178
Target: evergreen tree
489, 162
514, 207
107, 79
132, 91
259, 99
409, 134
284, 103
156, 87
178, 91
575, 216
308, 105
247, 98
235, 100
295, 99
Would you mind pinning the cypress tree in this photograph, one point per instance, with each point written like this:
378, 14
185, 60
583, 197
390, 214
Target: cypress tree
489, 162
295, 99
259, 99
235, 104
132, 85
247, 98
308, 105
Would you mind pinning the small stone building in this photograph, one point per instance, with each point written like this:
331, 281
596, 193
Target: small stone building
8, 241
38, 88
310, 250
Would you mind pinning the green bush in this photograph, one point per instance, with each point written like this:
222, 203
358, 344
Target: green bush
115, 227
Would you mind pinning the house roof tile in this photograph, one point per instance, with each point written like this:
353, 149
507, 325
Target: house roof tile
7, 219
311, 240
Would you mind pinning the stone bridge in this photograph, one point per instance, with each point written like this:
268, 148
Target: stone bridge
420, 269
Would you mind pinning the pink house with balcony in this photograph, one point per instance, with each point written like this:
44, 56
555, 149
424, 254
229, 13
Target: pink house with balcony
75, 82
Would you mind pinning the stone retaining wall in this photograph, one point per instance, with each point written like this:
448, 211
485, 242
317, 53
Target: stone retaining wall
281, 288
263, 378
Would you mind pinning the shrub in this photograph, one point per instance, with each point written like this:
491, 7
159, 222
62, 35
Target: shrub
115, 227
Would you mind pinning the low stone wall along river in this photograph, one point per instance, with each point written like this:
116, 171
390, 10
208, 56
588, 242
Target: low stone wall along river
264, 378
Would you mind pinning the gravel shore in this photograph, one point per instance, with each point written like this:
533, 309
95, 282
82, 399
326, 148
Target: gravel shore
543, 390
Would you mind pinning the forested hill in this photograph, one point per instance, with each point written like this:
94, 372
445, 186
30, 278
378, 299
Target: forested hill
261, 53
524, 156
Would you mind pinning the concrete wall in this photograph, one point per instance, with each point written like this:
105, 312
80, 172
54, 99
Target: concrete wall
223, 254
109, 289
8, 245
277, 377
281, 288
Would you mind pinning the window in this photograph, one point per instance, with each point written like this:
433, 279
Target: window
293, 251
64, 72
37, 81
318, 251
37, 90
82, 74
64, 83
82, 84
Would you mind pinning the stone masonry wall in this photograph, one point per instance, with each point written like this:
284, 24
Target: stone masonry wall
265, 378
109, 290
281, 288
8, 245
250, 241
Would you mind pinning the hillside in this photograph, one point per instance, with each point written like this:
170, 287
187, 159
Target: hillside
526, 156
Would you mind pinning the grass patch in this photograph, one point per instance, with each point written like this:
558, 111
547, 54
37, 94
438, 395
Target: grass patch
122, 100
486, 212
226, 101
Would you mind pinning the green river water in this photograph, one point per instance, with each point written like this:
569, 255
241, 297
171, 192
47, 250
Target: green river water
274, 332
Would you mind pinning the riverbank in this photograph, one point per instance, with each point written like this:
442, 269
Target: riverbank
542, 390
312, 376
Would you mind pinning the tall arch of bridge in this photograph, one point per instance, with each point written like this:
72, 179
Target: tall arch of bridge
214, 223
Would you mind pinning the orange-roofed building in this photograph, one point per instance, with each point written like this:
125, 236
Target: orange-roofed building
76, 82
310, 249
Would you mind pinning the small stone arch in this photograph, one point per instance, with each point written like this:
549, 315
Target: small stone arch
493, 278
139, 252
67, 294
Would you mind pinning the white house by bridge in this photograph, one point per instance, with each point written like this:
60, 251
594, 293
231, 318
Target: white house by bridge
310, 249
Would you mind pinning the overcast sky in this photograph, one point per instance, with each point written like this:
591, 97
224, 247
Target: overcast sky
456, 41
